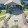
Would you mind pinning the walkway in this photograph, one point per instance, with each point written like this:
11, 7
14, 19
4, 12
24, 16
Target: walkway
2, 22
10, 22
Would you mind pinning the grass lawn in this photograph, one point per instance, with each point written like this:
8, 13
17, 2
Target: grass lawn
2, 18
3, 12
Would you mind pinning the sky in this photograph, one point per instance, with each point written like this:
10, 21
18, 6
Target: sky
8, 1
3, 1
15, 1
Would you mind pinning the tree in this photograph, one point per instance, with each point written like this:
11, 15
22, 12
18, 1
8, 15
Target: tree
23, 5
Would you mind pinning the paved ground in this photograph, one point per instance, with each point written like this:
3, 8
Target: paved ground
11, 21
20, 21
1, 23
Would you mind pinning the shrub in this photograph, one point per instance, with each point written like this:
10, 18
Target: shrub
3, 27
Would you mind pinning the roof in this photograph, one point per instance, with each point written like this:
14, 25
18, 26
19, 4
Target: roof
15, 1
12, 3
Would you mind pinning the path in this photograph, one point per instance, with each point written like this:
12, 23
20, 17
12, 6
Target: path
10, 22
2, 22
20, 21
